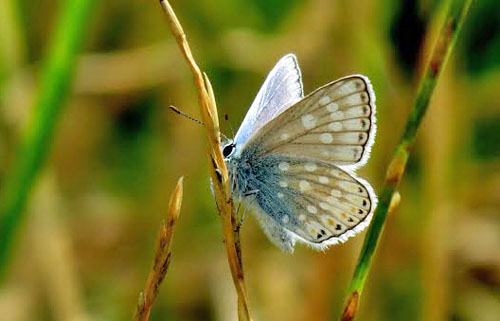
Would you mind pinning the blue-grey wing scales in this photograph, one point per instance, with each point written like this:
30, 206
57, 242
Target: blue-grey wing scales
281, 89
315, 203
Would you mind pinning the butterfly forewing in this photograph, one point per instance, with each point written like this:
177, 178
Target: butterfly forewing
335, 123
281, 89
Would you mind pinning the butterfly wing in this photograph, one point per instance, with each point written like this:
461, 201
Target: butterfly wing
313, 202
335, 123
281, 89
303, 161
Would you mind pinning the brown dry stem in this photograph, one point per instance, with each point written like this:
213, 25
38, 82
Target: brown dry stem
218, 170
162, 256
351, 307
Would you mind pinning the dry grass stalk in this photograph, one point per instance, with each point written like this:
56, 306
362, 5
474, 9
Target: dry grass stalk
218, 168
162, 257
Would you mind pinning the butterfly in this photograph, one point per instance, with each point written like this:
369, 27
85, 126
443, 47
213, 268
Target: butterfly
293, 158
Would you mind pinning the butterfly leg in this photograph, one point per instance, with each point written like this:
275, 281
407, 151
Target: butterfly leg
242, 216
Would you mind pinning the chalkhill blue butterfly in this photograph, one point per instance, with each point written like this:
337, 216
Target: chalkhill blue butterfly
293, 158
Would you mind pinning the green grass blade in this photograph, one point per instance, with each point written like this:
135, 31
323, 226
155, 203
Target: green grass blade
442, 49
55, 82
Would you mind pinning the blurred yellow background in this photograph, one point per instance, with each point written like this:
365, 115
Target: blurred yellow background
86, 246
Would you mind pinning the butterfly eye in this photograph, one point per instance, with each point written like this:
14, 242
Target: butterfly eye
228, 150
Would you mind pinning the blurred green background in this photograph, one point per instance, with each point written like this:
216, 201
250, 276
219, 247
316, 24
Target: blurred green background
85, 248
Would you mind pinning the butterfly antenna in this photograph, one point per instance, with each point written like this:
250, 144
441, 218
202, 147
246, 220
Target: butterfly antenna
177, 111
224, 136
226, 118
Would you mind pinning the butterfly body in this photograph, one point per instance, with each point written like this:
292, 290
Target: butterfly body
293, 158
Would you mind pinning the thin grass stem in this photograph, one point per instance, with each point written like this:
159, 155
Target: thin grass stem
162, 257
218, 170
453, 22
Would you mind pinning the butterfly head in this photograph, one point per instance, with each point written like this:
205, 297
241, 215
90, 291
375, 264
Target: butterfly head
238, 171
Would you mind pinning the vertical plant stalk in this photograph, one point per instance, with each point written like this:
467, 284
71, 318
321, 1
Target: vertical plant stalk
218, 170
162, 256
56, 78
455, 17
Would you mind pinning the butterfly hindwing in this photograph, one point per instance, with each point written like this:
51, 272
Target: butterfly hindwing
335, 123
318, 203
